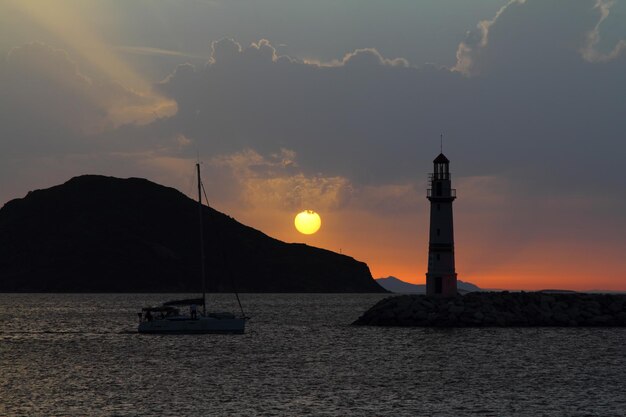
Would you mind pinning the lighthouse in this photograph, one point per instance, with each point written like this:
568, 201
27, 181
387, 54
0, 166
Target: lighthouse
441, 275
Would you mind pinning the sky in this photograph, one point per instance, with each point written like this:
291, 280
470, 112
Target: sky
337, 107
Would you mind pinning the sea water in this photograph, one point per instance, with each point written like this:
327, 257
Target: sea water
80, 355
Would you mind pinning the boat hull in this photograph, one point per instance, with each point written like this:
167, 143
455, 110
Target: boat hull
187, 325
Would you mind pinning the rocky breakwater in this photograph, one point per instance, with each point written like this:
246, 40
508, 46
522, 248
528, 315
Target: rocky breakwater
488, 309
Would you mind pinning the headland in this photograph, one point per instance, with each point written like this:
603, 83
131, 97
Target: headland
106, 234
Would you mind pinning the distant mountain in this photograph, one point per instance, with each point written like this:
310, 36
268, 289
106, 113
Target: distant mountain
105, 234
394, 284
468, 286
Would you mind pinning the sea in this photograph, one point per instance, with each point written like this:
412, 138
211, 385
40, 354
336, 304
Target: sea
80, 355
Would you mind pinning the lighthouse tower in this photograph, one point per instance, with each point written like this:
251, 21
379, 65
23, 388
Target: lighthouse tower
441, 276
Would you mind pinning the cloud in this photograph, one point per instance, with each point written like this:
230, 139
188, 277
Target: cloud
363, 58
530, 137
368, 118
226, 51
43, 87
64, 20
336, 117
476, 41
150, 51
588, 50
532, 134
372, 120
50, 110
535, 35
274, 182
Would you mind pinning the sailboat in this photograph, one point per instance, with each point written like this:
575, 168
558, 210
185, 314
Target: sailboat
167, 319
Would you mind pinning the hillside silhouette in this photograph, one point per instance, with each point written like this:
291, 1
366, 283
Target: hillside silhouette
105, 234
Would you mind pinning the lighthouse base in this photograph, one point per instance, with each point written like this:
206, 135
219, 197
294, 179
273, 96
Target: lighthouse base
440, 285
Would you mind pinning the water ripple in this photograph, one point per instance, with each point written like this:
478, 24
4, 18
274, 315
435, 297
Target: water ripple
80, 355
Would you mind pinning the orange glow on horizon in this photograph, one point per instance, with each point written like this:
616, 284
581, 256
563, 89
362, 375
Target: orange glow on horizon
389, 252
486, 253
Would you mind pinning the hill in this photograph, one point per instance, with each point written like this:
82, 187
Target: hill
396, 285
105, 234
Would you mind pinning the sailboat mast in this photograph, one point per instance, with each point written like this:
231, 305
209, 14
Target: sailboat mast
202, 256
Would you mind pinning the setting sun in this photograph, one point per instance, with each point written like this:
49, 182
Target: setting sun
308, 222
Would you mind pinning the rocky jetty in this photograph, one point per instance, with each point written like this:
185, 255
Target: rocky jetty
499, 309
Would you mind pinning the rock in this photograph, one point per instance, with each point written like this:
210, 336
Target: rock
573, 312
602, 320
561, 318
387, 315
560, 305
545, 316
499, 309
593, 306
421, 315
456, 309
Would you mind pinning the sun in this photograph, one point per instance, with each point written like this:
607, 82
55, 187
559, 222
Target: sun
307, 222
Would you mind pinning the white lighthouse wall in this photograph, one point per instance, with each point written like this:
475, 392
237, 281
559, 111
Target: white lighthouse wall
441, 219
441, 278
